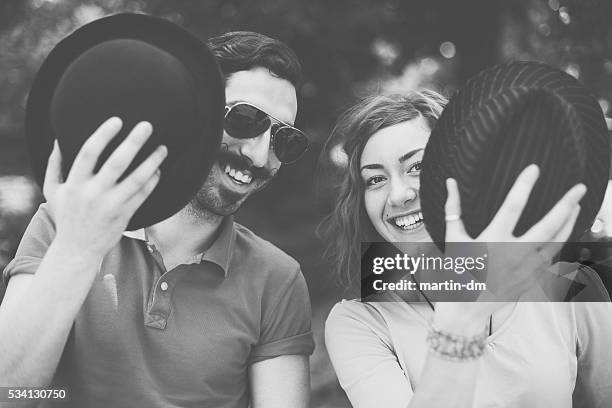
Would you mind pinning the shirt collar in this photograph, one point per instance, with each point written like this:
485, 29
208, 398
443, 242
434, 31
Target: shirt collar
219, 253
221, 250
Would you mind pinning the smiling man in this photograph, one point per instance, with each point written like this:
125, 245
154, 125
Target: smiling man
196, 310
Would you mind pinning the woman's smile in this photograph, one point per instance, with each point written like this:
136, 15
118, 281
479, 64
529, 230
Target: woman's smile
390, 170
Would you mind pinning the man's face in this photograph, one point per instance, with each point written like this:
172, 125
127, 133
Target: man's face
244, 166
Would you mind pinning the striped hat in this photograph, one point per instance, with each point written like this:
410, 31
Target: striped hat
499, 122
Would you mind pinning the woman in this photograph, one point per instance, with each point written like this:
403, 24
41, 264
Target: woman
392, 353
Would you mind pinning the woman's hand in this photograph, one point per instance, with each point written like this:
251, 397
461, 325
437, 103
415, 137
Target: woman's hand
513, 268
91, 210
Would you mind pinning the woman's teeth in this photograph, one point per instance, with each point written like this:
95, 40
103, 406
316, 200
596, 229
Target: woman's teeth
238, 176
408, 222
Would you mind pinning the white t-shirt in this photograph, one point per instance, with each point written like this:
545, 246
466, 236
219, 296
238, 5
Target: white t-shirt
535, 358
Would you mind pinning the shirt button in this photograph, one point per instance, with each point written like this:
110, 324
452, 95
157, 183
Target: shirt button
150, 248
164, 286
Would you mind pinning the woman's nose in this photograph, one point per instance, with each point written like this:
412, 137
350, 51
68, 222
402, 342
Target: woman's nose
402, 193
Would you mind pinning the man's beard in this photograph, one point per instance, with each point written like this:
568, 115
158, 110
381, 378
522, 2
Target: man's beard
214, 200
211, 200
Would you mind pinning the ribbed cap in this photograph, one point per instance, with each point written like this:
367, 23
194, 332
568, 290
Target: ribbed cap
499, 122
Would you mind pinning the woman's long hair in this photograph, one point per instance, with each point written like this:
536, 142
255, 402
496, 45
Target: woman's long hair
347, 225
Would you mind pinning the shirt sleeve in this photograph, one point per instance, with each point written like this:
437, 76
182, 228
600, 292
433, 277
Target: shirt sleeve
286, 322
361, 352
33, 246
594, 331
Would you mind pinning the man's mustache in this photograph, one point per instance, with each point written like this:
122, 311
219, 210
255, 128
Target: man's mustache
240, 162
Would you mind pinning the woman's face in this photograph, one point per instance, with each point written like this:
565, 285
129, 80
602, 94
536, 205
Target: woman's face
390, 170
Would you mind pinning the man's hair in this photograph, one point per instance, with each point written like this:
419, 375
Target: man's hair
244, 50
347, 226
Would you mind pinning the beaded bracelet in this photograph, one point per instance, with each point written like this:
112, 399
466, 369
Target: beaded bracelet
456, 347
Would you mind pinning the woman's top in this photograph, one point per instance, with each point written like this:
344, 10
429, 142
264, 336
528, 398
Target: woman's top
542, 355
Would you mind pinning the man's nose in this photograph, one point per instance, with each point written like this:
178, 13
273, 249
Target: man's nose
257, 149
402, 192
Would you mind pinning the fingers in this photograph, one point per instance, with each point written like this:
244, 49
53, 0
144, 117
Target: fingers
53, 174
123, 155
510, 211
567, 228
141, 176
86, 159
548, 251
141, 195
455, 231
543, 256
561, 214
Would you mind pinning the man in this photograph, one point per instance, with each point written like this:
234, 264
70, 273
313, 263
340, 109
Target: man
194, 311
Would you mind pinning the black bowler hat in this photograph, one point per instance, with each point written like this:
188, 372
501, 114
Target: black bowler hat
499, 122
139, 68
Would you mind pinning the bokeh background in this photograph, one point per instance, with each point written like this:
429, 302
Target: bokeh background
349, 49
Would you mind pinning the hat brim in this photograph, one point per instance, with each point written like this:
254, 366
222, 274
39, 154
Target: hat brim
499, 122
125, 84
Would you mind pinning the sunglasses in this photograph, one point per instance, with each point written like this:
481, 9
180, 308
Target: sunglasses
245, 121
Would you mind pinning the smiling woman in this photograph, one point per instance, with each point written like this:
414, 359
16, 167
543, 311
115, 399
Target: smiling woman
399, 348
390, 169
378, 199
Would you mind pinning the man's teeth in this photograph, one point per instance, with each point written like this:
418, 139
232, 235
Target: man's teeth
408, 222
237, 175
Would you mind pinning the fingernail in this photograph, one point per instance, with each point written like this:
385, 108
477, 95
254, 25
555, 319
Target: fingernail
115, 120
450, 181
533, 170
163, 150
581, 189
146, 125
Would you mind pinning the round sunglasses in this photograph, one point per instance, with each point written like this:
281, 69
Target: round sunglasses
246, 121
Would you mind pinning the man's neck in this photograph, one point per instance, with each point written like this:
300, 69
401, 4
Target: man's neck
186, 233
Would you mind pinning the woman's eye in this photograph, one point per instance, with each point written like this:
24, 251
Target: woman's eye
374, 180
415, 168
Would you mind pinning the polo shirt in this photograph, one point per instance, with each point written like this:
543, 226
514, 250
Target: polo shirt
148, 337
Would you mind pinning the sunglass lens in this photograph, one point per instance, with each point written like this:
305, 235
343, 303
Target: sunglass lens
245, 122
289, 144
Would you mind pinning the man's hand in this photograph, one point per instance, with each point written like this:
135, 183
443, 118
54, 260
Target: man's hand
91, 210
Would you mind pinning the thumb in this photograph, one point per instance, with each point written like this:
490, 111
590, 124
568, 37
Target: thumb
53, 174
455, 230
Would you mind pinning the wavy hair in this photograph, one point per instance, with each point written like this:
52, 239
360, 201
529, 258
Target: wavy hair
347, 225
244, 50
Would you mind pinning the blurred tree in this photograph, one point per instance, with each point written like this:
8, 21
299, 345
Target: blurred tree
574, 35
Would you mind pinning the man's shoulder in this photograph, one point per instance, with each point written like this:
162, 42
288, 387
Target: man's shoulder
257, 249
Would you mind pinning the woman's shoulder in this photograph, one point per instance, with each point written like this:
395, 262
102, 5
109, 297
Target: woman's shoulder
374, 317
596, 290
353, 310
371, 310
355, 325
582, 282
